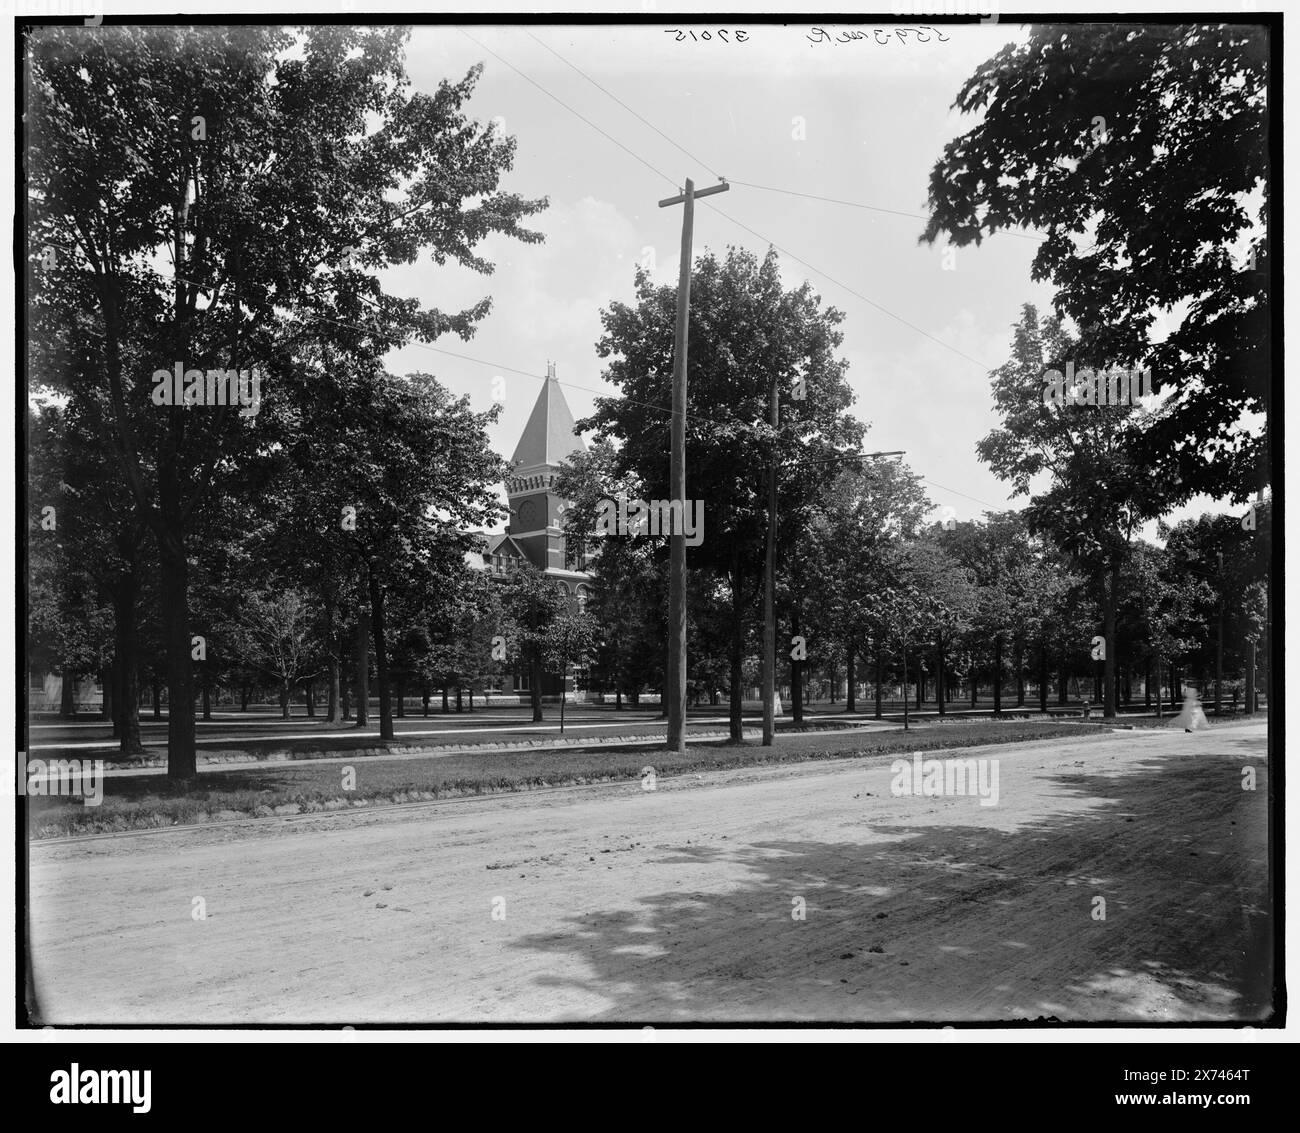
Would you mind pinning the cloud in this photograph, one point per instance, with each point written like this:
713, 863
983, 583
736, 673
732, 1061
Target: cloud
546, 303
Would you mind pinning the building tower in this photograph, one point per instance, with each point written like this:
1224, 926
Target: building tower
534, 532
536, 510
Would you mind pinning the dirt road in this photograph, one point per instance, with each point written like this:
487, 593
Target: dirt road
683, 903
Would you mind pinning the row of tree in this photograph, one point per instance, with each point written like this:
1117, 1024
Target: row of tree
1140, 154
225, 198
865, 586
222, 198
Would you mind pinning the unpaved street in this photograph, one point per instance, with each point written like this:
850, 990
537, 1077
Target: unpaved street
620, 904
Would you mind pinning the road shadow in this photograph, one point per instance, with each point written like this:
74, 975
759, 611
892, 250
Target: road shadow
967, 921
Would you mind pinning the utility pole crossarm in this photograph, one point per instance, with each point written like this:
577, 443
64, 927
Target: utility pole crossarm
696, 193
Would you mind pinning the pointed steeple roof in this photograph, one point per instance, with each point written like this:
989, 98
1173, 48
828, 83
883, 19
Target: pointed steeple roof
549, 436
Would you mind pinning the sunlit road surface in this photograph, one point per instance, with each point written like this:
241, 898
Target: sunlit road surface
809, 892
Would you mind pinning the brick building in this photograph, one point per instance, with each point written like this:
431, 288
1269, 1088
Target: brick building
533, 532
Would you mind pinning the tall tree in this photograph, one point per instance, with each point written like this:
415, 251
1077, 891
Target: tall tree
191, 185
275, 634
1141, 151
533, 604
629, 577
746, 332
1098, 491
568, 641
92, 534
868, 509
1001, 558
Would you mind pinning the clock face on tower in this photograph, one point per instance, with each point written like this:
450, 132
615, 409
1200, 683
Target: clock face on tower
528, 515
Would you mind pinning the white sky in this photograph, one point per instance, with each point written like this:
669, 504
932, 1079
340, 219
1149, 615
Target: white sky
875, 118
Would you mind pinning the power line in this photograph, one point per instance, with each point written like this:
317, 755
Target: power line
753, 232
862, 205
858, 294
483, 361
567, 107
747, 184
973, 499
623, 104
830, 200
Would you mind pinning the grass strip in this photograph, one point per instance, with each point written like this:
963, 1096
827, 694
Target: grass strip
142, 802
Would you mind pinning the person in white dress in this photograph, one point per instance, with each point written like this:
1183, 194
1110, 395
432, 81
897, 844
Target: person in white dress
1191, 718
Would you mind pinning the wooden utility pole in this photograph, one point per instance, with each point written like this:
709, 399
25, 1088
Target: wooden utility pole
1218, 647
769, 582
675, 677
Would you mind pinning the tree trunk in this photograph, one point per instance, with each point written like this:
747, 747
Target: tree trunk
309, 694
425, 693
851, 669
974, 683
1063, 684
285, 711
401, 698
244, 693
125, 642
940, 682
106, 680
1043, 678
796, 675
735, 705
332, 711
535, 688
1146, 687
381, 657
1110, 676
997, 676
1251, 700
1020, 674
445, 707
1160, 696
880, 676
68, 696
1218, 654
174, 601
157, 699
459, 706
207, 701
618, 699
115, 691
905, 697
361, 659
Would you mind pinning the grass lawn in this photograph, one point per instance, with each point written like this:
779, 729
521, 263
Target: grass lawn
138, 802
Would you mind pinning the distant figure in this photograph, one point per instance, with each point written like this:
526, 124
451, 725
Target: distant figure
1192, 718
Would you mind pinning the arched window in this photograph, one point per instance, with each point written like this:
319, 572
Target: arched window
583, 595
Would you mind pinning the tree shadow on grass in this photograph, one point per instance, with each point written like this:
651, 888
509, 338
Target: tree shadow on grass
970, 921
